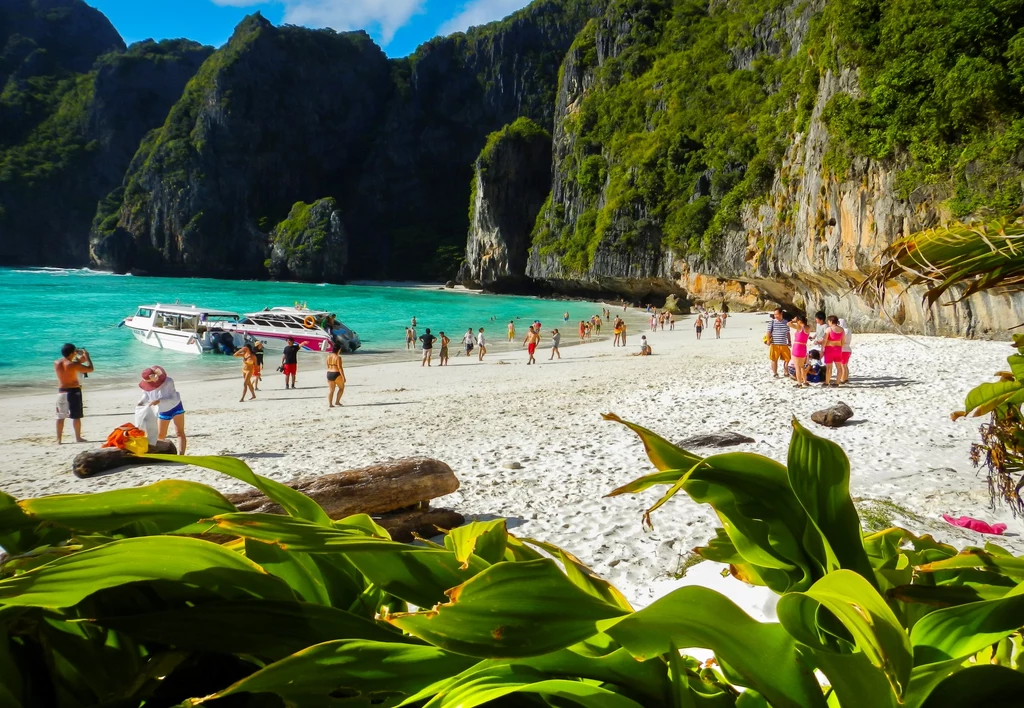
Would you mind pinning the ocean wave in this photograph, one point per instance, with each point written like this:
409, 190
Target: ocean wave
62, 272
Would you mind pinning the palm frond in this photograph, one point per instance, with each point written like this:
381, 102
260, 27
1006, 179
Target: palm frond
973, 258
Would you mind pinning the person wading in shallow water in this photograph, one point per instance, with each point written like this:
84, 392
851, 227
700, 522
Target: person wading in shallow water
72, 362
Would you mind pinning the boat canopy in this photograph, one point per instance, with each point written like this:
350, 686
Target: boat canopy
189, 310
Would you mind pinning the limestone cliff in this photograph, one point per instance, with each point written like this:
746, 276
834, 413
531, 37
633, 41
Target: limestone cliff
512, 178
74, 106
283, 114
255, 131
817, 235
310, 245
779, 165
628, 260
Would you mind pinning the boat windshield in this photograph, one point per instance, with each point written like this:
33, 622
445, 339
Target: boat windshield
268, 320
172, 320
144, 313
221, 318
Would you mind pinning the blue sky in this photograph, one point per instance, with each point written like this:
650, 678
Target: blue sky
397, 25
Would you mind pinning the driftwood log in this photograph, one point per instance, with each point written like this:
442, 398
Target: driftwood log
396, 494
369, 490
405, 525
91, 462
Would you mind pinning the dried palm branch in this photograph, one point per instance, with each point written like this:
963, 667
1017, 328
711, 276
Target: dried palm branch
972, 257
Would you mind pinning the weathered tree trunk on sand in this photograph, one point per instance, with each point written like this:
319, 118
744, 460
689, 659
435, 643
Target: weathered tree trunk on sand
423, 522
91, 462
396, 494
369, 490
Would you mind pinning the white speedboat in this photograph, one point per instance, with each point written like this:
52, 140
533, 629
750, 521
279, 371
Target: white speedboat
313, 330
186, 328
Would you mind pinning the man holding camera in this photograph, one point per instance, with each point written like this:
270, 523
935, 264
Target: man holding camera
69, 397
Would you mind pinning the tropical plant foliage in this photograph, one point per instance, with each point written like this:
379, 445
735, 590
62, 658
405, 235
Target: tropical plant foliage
959, 259
1001, 449
165, 595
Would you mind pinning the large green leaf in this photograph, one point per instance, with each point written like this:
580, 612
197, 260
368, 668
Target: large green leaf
293, 567
819, 474
762, 655
978, 686
264, 628
976, 558
296, 534
986, 397
169, 505
960, 631
865, 615
486, 539
416, 574
310, 676
295, 503
853, 678
493, 683
67, 581
753, 499
663, 455
510, 610
583, 577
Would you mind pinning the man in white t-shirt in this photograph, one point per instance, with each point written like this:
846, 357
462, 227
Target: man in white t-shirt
481, 345
821, 329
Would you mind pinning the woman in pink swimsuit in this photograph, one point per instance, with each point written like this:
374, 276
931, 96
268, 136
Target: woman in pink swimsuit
844, 368
833, 350
800, 336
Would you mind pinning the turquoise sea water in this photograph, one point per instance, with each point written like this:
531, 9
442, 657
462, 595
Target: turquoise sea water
40, 309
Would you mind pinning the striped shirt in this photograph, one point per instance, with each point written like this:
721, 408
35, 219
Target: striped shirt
779, 331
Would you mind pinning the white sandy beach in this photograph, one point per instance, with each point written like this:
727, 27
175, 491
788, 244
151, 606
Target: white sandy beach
483, 418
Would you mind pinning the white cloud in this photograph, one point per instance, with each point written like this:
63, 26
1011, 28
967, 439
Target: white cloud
480, 12
387, 16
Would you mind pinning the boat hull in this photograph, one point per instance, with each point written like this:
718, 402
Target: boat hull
172, 341
312, 340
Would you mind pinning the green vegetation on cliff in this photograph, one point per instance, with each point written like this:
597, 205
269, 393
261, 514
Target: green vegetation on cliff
518, 134
941, 90
693, 104
292, 232
686, 120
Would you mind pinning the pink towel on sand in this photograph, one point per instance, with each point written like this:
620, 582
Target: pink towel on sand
976, 524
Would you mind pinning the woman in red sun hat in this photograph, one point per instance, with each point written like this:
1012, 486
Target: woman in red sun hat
158, 390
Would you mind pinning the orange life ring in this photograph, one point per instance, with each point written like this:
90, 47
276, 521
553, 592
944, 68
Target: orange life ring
309, 322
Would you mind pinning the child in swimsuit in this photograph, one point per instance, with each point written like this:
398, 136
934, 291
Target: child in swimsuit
813, 370
800, 337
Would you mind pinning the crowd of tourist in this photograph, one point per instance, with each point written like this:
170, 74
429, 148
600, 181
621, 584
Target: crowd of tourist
810, 356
